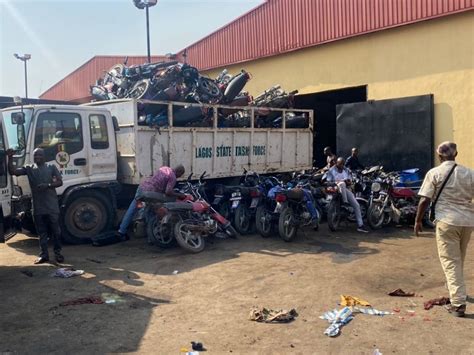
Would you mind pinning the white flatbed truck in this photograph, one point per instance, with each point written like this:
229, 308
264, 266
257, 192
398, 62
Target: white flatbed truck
103, 153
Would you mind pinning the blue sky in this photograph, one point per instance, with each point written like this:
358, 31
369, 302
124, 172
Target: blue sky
61, 35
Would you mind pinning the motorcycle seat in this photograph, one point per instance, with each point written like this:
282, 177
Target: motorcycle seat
154, 197
178, 206
403, 192
245, 191
295, 194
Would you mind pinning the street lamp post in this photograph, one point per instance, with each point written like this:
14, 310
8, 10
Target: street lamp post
146, 4
24, 59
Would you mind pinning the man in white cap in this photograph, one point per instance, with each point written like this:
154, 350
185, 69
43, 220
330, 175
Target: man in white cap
454, 211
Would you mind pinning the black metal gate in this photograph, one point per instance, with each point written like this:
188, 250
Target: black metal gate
395, 133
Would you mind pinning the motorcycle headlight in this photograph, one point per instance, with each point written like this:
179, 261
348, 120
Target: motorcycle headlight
376, 187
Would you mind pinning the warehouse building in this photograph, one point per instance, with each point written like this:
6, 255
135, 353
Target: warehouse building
394, 77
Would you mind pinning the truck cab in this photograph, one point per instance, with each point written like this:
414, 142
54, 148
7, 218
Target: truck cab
80, 141
5, 188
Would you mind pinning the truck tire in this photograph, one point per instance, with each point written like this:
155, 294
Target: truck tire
286, 228
87, 214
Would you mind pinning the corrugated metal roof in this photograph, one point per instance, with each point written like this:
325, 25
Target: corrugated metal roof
279, 26
75, 86
275, 27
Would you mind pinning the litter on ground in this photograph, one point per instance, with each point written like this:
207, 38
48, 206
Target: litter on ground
441, 301
371, 311
266, 315
400, 293
337, 318
111, 298
353, 301
65, 272
83, 300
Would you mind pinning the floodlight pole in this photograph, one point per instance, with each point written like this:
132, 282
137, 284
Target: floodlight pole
24, 59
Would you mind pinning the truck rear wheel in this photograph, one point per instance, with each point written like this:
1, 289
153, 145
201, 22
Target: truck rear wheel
87, 214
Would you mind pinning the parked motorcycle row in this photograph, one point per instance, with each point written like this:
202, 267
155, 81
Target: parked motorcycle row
275, 205
181, 82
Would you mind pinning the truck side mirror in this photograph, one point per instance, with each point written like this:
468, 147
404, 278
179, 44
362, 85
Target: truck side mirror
18, 118
20, 131
115, 124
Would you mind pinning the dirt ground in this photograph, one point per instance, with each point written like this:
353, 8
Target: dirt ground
210, 298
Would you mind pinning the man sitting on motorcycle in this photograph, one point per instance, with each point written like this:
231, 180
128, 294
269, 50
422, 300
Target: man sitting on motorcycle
342, 177
163, 182
330, 158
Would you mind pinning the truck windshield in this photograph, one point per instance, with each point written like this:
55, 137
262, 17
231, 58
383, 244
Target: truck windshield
12, 130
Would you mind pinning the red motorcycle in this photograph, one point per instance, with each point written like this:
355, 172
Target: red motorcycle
389, 203
188, 221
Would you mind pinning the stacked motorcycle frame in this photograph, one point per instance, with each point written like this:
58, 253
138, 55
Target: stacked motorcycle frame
181, 82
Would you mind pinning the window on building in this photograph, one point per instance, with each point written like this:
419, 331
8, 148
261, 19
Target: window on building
59, 131
99, 136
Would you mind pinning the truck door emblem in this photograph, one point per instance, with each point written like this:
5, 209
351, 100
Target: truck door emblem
62, 158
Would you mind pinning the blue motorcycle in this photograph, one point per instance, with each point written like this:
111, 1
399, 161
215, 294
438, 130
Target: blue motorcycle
293, 207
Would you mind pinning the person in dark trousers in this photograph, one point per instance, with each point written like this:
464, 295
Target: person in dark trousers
43, 179
353, 163
330, 158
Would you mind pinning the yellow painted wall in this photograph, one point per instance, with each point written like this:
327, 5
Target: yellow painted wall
432, 57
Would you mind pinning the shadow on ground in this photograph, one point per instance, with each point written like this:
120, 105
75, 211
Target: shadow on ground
342, 247
82, 325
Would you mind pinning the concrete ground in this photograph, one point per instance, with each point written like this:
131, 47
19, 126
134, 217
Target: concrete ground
210, 297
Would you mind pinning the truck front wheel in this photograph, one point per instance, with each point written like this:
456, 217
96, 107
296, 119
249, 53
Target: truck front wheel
87, 214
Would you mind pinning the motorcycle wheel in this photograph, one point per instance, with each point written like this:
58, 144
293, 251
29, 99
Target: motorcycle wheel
242, 219
376, 216
139, 90
263, 222
363, 211
161, 237
186, 239
334, 215
207, 87
320, 213
286, 228
230, 231
114, 71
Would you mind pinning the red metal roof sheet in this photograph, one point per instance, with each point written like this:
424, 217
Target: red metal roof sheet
75, 86
279, 26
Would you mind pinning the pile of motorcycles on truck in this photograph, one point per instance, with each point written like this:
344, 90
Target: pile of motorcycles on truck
181, 82
276, 205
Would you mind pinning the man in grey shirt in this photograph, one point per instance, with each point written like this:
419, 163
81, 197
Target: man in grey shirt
43, 179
